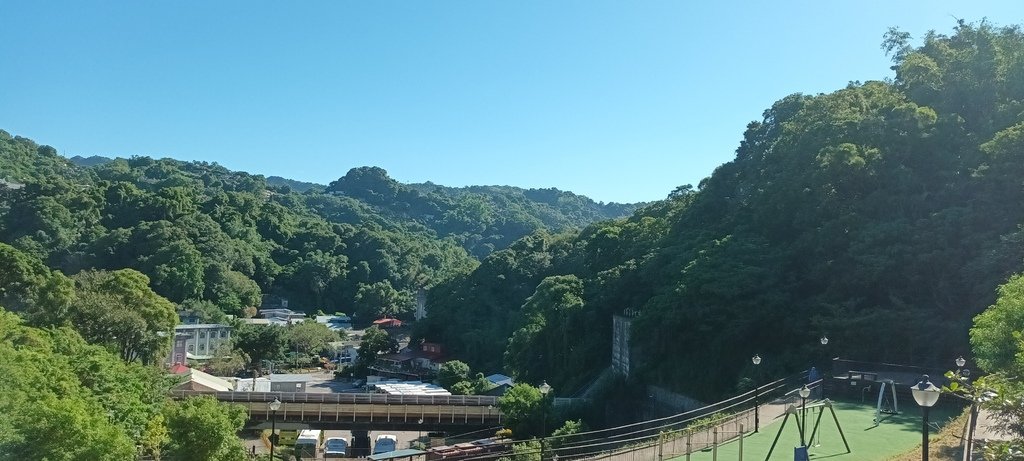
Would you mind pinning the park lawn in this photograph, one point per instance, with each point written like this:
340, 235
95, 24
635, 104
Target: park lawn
897, 434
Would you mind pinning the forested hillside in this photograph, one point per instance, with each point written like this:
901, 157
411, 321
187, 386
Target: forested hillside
207, 236
884, 215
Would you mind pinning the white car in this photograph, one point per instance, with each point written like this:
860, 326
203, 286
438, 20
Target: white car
385, 443
336, 447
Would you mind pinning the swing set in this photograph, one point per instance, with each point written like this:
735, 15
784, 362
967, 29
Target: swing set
795, 411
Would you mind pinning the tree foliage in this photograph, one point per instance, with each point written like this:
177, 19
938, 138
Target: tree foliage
120, 310
67, 400
201, 429
260, 342
375, 341
886, 210
524, 408
310, 337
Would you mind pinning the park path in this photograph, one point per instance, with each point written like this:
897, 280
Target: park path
988, 428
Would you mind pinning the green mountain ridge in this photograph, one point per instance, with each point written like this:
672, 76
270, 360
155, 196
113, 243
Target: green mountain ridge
883, 215
204, 233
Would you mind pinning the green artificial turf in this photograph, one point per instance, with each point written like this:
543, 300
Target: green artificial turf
896, 434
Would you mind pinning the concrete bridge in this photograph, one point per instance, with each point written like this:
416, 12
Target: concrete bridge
359, 411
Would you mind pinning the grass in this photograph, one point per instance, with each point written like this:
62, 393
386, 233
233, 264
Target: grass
897, 434
944, 446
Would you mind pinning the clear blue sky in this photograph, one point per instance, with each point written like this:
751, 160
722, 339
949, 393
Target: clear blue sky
618, 100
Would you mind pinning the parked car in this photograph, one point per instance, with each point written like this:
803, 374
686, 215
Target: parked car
336, 447
307, 444
385, 443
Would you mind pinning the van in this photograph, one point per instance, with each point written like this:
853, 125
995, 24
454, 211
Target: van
336, 447
307, 445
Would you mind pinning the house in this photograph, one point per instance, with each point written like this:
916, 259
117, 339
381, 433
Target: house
282, 316
335, 322
252, 384
388, 323
501, 384
345, 351
498, 379
419, 363
288, 382
195, 380
198, 341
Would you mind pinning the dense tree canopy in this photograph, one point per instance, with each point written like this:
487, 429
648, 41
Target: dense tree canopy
67, 400
887, 210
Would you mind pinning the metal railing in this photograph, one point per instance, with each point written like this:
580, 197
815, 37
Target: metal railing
677, 435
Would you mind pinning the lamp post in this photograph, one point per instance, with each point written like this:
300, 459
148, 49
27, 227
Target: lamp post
274, 406
419, 435
926, 395
804, 393
545, 389
756, 359
962, 374
826, 371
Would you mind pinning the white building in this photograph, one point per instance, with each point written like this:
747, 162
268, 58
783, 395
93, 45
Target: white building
198, 341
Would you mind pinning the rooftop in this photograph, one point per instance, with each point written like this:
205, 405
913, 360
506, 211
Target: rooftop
200, 326
289, 378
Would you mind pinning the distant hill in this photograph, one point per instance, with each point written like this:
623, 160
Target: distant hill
481, 218
90, 161
297, 186
203, 233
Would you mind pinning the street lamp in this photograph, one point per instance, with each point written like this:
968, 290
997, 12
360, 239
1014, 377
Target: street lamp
926, 394
419, 435
804, 393
961, 375
826, 369
545, 389
757, 421
274, 406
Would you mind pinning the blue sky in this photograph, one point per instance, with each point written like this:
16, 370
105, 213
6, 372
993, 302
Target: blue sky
620, 101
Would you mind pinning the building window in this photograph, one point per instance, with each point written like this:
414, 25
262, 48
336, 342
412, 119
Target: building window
202, 347
202, 335
223, 334
191, 347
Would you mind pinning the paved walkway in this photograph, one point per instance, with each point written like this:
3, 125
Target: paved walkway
988, 428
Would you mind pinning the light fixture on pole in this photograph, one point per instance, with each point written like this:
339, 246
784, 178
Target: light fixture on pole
960, 362
756, 359
926, 395
274, 406
545, 389
804, 393
826, 371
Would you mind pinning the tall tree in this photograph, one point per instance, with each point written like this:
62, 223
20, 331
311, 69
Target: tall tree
203, 429
260, 342
119, 309
310, 337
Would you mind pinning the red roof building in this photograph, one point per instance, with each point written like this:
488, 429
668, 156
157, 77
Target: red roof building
388, 323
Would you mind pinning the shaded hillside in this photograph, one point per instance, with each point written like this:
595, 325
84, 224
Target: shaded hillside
884, 215
203, 233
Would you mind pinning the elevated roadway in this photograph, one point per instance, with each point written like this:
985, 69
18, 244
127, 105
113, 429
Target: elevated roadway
360, 410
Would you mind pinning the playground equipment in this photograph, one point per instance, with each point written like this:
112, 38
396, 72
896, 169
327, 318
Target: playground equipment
885, 405
793, 411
